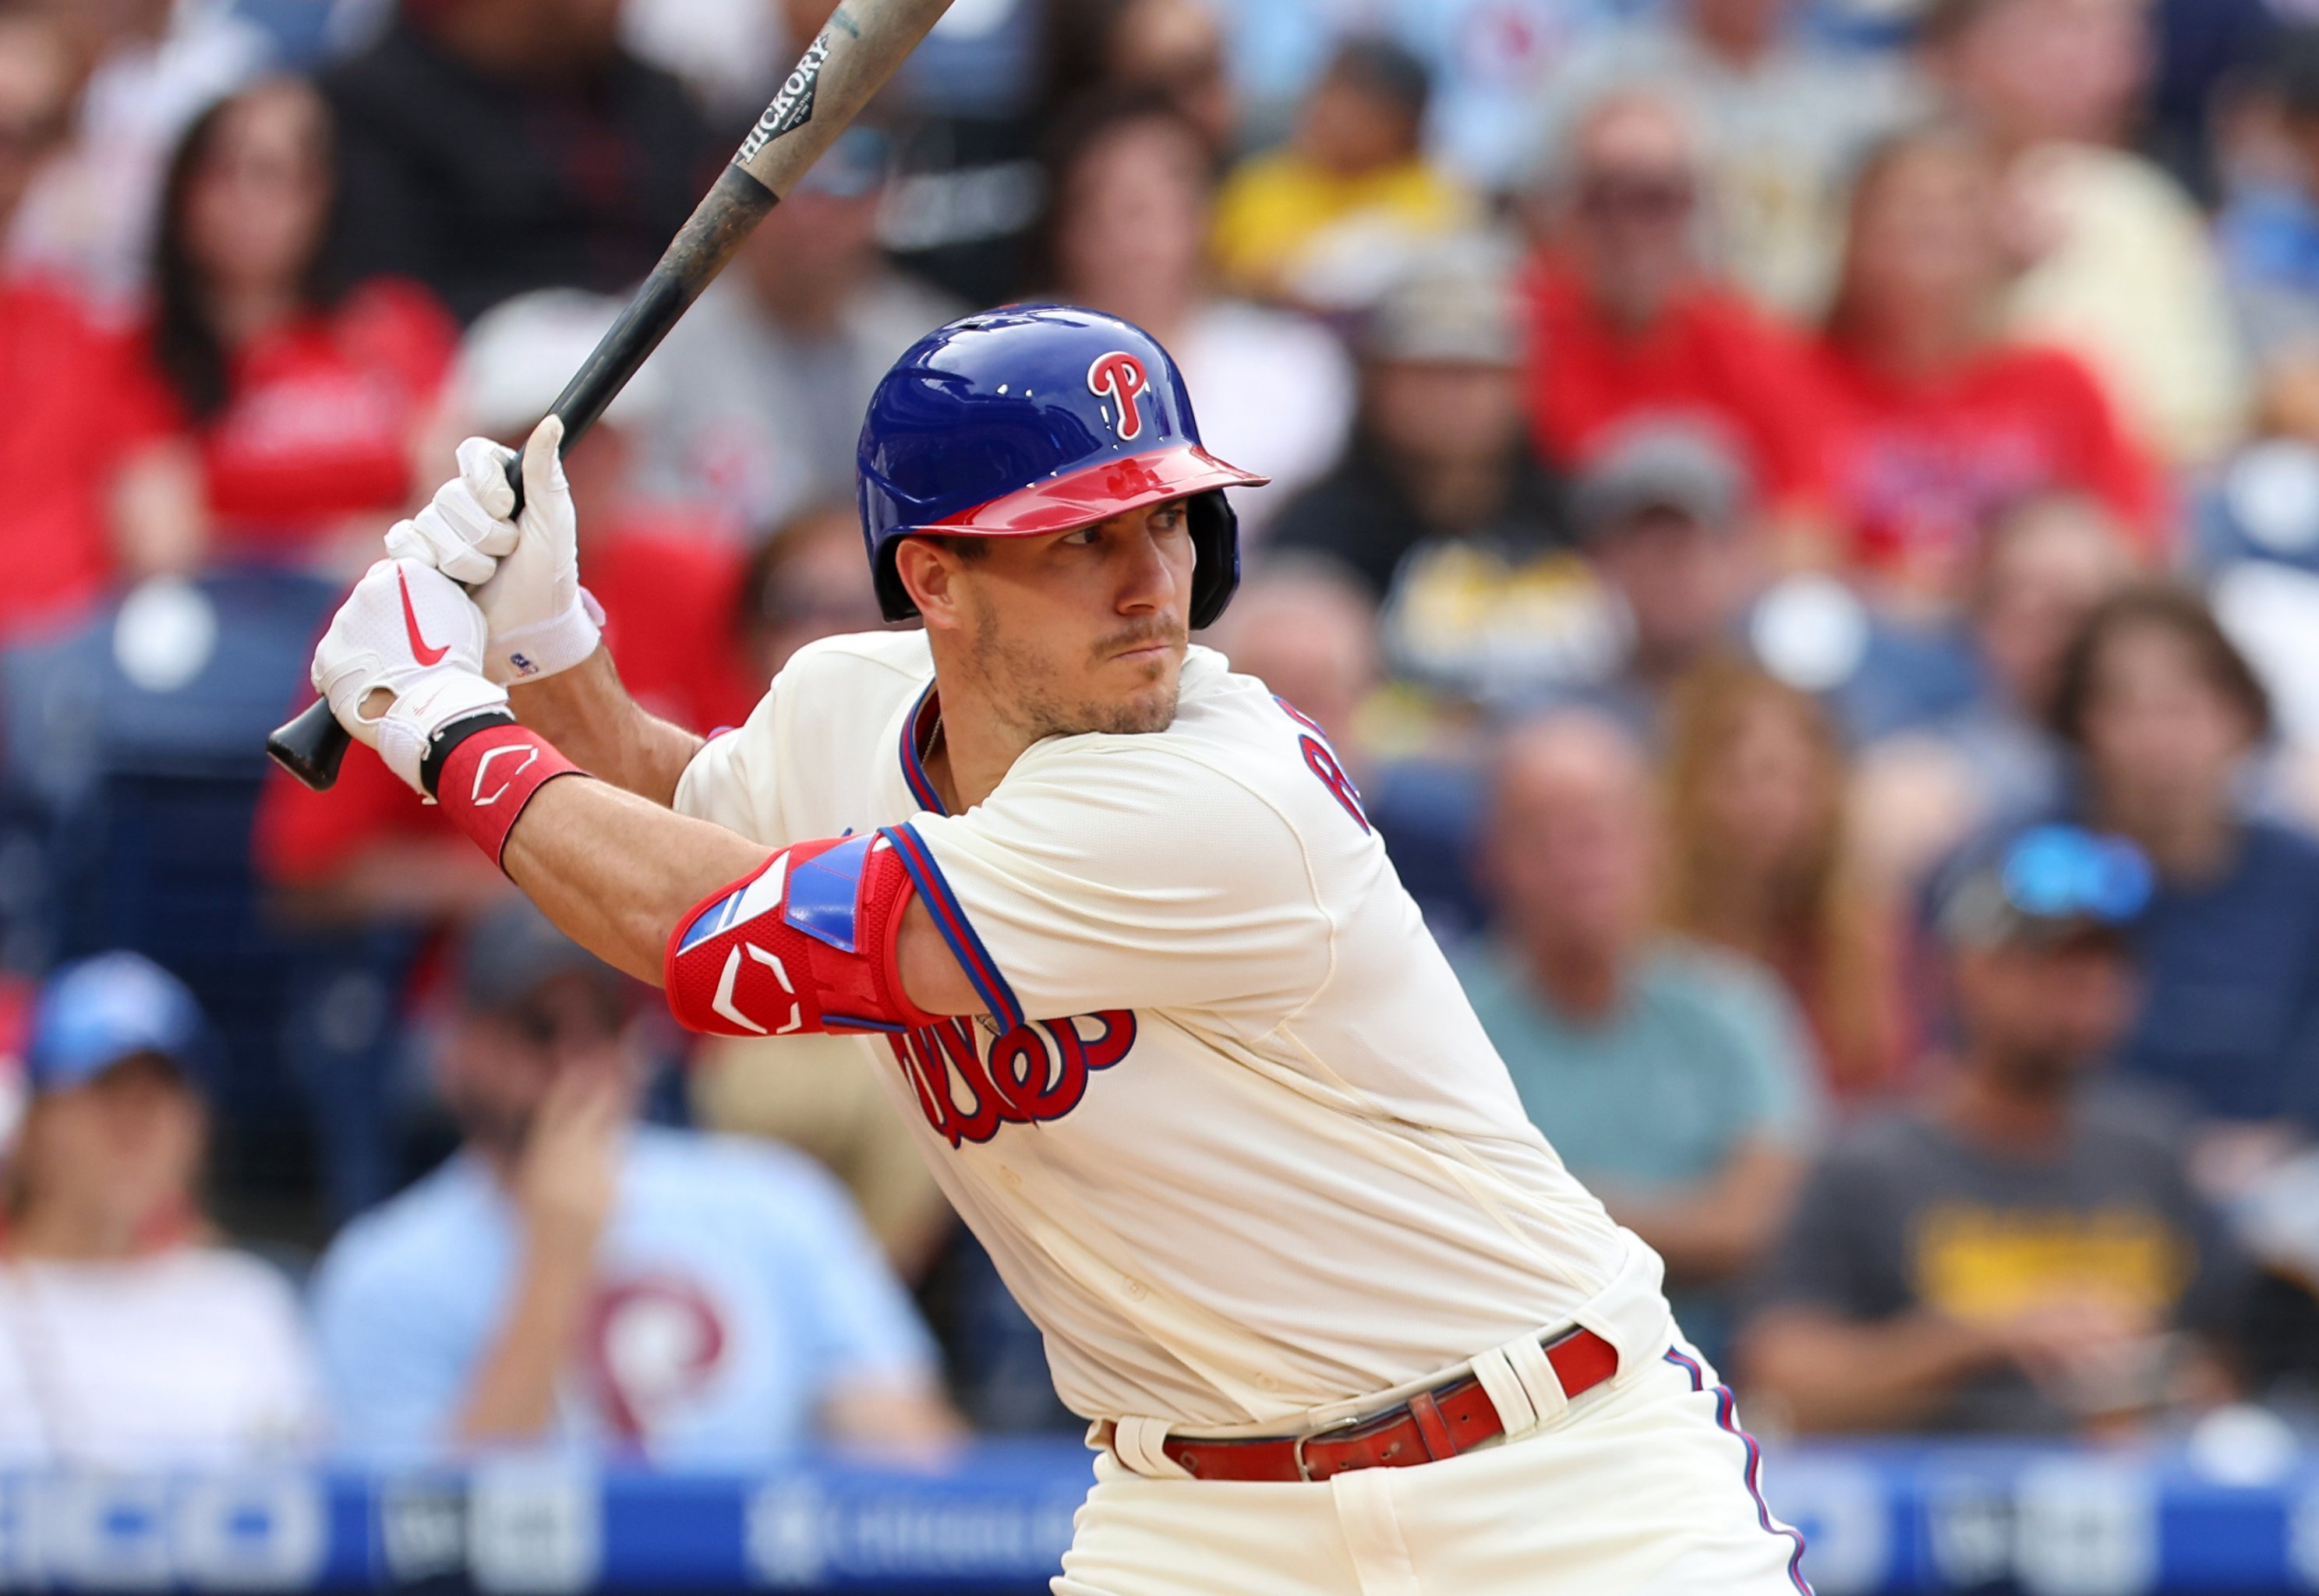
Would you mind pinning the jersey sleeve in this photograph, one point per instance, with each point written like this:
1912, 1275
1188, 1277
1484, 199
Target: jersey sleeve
1107, 875
731, 780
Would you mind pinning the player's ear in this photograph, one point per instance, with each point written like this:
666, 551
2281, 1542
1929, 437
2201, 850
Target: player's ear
929, 573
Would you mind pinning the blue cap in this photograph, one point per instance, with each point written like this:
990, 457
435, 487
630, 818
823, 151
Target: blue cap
93, 1015
2046, 885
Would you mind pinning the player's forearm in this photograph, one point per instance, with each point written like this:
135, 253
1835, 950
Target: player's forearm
1834, 1373
615, 873
587, 713
618, 875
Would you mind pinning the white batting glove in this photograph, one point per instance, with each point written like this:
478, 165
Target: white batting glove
526, 571
464, 531
410, 631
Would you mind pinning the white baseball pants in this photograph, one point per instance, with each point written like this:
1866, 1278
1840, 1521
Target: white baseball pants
1645, 1488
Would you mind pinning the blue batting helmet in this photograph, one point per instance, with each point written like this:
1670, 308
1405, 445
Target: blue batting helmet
1039, 418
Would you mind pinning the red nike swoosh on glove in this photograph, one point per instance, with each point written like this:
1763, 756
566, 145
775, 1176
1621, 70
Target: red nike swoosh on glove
419, 649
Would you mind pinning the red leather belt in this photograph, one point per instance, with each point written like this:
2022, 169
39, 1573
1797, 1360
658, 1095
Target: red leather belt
1434, 1424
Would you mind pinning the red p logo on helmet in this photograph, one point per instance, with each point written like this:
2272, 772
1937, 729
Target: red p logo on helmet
1119, 377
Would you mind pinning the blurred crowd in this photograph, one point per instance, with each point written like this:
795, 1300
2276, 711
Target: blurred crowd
1801, 517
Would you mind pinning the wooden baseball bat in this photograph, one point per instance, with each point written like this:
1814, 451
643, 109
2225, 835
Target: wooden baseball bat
851, 59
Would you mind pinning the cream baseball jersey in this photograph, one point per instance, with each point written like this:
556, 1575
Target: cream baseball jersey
1232, 1133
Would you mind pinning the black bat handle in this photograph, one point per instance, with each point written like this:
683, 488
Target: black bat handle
312, 746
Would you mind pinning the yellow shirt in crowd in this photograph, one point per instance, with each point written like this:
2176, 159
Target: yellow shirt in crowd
1278, 211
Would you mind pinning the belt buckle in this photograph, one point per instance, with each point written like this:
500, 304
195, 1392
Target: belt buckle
1351, 1422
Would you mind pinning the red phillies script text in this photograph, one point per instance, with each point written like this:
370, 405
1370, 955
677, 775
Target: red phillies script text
968, 1085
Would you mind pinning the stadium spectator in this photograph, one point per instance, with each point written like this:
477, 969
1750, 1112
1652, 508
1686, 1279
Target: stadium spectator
95, 487
128, 1337
1329, 219
2043, 569
1948, 422
1784, 120
312, 401
2016, 1252
2270, 232
1308, 631
2163, 715
489, 147
2117, 263
144, 70
1274, 386
1676, 1081
805, 583
1437, 504
1174, 48
666, 576
2206, 52
1625, 319
574, 1280
1761, 861
1665, 512
766, 378
810, 1093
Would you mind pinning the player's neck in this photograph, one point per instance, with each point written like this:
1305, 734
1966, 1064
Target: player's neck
968, 750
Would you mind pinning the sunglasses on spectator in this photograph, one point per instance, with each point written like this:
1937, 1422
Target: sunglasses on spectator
1659, 197
2065, 872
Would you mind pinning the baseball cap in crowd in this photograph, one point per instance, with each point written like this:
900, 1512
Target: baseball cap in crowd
2046, 887
93, 1015
519, 354
1662, 464
514, 950
1453, 307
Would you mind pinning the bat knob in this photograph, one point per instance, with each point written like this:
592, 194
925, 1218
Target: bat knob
311, 747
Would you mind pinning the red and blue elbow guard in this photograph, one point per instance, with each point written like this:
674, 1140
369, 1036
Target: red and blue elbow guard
807, 943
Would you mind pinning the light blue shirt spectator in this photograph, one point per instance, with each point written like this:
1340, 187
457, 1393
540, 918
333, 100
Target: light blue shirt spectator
1704, 1052
736, 1289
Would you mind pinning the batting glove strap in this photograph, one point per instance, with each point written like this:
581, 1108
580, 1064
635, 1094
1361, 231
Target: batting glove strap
809, 942
486, 770
541, 649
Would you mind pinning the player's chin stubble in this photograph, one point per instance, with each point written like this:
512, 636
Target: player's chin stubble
1033, 686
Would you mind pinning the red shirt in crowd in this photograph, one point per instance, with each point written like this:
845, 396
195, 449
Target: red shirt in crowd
1711, 356
320, 419
669, 591
304, 839
76, 404
1925, 464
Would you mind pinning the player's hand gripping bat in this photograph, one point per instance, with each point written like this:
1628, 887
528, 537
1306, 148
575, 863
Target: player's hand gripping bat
856, 54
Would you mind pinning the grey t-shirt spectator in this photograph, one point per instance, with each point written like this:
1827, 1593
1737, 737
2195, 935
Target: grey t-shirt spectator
1902, 1213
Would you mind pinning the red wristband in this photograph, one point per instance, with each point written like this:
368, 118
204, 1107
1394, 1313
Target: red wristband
489, 777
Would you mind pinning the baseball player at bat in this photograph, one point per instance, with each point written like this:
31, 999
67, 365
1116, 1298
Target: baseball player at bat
1115, 934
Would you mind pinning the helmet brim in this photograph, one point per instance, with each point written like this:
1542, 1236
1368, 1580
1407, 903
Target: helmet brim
1098, 492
